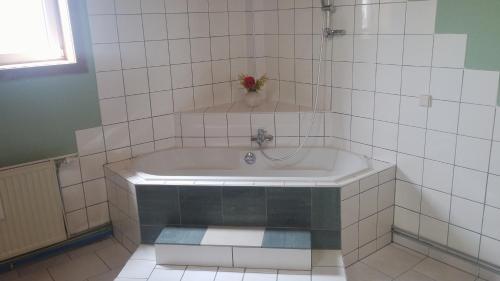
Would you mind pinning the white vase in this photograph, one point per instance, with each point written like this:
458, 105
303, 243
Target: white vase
254, 99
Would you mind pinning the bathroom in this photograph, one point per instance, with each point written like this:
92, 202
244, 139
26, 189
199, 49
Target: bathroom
249, 140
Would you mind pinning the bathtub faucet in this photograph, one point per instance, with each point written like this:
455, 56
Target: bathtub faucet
262, 137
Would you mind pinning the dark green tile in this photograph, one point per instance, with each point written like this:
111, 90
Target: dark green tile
244, 206
325, 209
286, 239
149, 233
158, 205
201, 205
181, 235
325, 239
289, 207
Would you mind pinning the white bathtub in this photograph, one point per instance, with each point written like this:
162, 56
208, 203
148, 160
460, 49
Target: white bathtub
321, 166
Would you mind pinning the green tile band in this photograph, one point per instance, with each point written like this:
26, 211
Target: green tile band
181, 235
286, 239
480, 20
316, 210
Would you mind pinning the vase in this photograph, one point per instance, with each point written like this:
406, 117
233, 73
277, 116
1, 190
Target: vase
254, 98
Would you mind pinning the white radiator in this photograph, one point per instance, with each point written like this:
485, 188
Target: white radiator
31, 211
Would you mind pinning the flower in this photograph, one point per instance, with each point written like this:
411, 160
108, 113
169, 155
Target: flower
251, 84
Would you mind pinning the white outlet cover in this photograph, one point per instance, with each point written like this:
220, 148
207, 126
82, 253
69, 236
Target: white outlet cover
425, 100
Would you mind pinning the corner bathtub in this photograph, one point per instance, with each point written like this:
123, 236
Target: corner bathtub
324, 166
323, 190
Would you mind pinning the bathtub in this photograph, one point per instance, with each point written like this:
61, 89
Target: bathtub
311, 165
323, 190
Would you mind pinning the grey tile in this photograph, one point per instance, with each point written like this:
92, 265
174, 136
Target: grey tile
201, 205
288, 207
362, 272
181, 235
325, 209
149, 233
244, 206
393, 261
158, 205
325, 239
286, 239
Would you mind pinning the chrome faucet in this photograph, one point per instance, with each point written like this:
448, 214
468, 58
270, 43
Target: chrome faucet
262, 137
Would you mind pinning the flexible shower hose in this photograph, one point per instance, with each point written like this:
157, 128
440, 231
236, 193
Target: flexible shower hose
294, 153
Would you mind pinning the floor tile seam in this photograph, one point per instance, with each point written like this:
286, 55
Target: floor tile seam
104, 262
20, 275
413, 269
373, 268
452, 266
219, 268
399, 275
410, 251
48, 273
182, 276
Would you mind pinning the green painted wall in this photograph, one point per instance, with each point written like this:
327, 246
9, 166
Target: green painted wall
481, 21
38, 116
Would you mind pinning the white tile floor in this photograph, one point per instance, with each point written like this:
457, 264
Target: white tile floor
107, 260
398, 263
142, 267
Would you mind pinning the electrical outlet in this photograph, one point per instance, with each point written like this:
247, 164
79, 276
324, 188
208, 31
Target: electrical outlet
425, 100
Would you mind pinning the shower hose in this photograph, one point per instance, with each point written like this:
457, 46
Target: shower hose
295, 152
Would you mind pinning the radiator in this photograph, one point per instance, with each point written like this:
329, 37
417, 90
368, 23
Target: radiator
31, 211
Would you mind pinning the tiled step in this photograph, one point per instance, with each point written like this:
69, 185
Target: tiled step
235, 247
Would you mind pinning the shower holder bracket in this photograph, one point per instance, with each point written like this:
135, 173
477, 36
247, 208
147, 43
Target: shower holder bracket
329, 8
330, 32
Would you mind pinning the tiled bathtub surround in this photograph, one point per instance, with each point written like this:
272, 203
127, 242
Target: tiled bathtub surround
123, 210
367, 213
366, 207
314, 209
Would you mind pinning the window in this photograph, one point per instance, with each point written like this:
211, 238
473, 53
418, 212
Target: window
35, 33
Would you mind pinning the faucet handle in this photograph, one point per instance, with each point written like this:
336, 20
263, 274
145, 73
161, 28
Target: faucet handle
261, 131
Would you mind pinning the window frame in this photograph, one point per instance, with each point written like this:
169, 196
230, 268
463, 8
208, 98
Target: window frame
78, 19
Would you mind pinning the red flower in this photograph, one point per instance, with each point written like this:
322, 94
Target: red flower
249, 82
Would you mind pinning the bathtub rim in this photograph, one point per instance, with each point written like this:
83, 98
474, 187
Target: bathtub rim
123, 169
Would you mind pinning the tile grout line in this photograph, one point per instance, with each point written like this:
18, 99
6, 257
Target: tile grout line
149, 85
373, 123
170, 79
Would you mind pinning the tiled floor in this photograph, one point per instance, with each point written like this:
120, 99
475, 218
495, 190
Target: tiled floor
103, 261
402, 264
142, 267
100, 261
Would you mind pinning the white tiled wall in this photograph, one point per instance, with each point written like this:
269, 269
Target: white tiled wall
123, 210
446, 154
83, 192
367, 210
158, 57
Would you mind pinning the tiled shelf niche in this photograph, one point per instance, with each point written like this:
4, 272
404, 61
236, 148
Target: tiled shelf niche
232, 124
